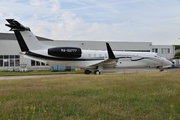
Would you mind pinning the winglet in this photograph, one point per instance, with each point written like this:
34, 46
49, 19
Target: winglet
110, 52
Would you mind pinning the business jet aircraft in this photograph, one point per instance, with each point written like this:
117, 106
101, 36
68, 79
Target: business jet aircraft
73, 56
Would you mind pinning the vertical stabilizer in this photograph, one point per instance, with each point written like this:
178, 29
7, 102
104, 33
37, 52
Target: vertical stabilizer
26, 39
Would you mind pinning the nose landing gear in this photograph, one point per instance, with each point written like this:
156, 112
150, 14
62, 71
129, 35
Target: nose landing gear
96, 72
160, 68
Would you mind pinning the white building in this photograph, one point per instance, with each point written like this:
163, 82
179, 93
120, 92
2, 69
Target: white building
167, 51
10, 59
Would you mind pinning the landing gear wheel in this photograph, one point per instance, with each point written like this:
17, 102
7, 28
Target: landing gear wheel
161, 70
87, 72
97, 72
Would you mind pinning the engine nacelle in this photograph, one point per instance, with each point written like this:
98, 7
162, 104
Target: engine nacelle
65, 52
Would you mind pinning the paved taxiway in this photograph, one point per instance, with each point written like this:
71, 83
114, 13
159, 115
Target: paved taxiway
114, 71
32, 76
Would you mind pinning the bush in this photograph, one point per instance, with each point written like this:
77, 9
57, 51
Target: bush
177, 55
177, 47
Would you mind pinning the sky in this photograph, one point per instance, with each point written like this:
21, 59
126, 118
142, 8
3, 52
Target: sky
156, 21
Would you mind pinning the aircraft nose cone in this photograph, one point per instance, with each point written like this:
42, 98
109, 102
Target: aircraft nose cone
167, 62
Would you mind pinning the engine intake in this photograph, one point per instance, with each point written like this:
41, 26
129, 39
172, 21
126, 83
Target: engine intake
65, 52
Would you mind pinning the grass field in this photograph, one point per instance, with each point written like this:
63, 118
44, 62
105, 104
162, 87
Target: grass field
140, 96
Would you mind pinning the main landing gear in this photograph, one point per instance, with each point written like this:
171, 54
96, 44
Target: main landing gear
160, 68
96, 72
87, 72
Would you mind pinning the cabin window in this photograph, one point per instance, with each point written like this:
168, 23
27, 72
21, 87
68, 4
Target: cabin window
94, 55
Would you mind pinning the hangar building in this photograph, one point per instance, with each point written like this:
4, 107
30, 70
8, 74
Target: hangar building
10, 59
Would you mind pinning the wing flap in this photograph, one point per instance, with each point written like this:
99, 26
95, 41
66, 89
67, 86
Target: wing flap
108, 63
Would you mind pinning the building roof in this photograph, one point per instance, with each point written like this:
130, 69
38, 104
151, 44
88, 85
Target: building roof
11, 36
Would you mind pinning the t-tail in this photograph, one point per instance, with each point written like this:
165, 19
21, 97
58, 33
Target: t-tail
26, 39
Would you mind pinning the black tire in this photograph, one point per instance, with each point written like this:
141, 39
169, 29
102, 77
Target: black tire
97, 72
87, 72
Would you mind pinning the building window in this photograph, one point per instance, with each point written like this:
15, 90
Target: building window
165, 50
37, 63
42, 64
33, 63
17, 62
6, 62
155, 50
11, 56
169, 50
9, 60
17, 56
1, 61
1, 56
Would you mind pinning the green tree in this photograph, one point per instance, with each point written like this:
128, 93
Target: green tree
177, 47
177, 55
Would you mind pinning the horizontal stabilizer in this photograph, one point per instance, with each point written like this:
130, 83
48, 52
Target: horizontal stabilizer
16, 26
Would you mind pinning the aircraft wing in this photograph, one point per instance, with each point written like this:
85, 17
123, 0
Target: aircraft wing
110, 61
